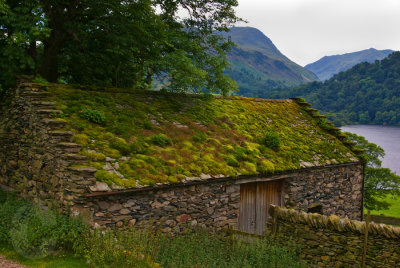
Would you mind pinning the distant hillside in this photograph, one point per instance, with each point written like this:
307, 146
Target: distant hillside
368, 93
328, 66
258, 66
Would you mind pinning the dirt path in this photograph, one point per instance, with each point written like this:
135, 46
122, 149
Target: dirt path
9, 264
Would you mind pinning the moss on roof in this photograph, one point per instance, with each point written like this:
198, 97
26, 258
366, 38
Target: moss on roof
144, 138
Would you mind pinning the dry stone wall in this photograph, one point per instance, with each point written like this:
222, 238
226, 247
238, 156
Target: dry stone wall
330, 241
36, 154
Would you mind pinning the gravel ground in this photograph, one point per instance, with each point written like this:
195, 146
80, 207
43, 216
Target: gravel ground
4, 263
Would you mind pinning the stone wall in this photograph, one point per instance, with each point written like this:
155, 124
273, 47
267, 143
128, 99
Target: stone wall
215, 204
211, 205
36, 155
339, 189
338, 242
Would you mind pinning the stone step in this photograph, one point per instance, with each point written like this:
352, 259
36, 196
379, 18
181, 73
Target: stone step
43, 104
54, 124
25, 84
304, 104
49, 112
69, 147
342, 136
75, 158
319, 116
349, 143
59, 136
35, 93
83, 171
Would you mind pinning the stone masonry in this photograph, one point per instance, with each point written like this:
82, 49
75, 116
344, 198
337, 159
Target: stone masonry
216, 204
36, 155
212, 205
331, 241
337, 188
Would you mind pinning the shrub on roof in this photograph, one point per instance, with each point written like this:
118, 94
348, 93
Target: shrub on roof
272, 140
94, 116
160, 140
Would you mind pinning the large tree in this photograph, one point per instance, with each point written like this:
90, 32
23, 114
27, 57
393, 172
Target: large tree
379, 181
118, 43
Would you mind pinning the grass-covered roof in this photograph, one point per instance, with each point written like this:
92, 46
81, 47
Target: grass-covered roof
137, 138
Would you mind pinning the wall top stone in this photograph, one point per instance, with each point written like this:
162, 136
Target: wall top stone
333, 222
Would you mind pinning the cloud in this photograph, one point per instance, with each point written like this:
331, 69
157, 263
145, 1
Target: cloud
305, 30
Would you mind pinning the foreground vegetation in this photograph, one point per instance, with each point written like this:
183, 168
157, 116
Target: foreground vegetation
62, 260
43, 238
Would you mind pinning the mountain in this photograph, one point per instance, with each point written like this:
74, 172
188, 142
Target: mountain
258, 66
367, 93
328, 66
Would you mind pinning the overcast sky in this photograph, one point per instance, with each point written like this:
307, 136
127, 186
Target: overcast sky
306, 30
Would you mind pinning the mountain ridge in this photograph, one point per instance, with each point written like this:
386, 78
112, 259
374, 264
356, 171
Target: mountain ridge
258, 65
328, 66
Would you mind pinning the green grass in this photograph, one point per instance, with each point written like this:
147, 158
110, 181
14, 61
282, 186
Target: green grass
394, 209
59, 261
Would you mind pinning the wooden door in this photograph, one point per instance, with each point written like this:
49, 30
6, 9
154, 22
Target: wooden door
247, 211
255, 200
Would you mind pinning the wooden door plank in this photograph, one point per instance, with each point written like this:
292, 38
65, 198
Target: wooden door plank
247, 211
268, 193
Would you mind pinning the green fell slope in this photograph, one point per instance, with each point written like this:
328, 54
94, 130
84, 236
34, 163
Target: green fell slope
163, 138
368, 93
258, 66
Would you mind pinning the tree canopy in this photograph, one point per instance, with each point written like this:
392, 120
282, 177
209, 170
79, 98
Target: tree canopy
118, 43
379, 181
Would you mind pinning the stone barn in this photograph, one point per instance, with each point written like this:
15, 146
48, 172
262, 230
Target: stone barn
125, 157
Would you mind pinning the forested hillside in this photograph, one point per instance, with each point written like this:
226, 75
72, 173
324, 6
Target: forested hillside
368, 93
258, 66
328, 66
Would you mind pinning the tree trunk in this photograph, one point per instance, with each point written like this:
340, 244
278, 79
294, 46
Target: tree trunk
52, 48
33, 54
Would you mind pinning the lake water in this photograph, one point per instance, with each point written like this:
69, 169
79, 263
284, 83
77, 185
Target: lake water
386, 137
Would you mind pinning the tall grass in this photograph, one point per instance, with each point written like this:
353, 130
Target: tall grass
192, 248
36, 232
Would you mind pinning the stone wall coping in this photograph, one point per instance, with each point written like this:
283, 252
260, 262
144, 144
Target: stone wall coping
333, 222
238, 180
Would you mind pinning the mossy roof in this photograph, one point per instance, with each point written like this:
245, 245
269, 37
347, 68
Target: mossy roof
140, 138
